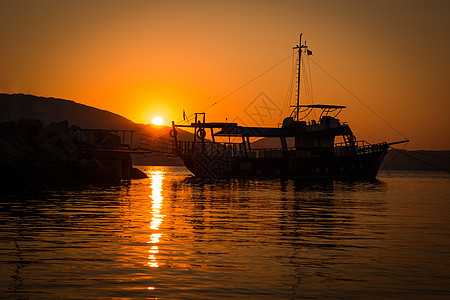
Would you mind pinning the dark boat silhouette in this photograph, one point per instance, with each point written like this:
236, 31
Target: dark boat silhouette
314, 152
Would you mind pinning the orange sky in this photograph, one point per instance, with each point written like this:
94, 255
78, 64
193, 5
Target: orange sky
146, 58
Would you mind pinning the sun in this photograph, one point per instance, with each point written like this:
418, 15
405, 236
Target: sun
158, 121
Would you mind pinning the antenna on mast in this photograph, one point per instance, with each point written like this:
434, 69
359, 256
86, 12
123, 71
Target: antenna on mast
299, 47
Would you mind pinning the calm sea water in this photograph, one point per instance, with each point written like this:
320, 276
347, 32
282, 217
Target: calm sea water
168, 237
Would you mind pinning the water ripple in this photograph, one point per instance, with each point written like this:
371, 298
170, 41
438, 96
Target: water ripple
171, 236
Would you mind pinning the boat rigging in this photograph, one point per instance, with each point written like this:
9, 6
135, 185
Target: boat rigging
315, 153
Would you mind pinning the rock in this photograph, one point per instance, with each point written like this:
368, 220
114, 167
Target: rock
137, 174
109, 141
52, 130
32, 155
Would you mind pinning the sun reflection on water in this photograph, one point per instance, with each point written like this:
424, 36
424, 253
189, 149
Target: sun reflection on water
156, 178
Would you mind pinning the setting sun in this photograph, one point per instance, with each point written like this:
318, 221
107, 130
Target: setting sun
157, 121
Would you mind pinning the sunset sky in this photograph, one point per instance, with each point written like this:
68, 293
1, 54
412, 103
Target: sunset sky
143, 59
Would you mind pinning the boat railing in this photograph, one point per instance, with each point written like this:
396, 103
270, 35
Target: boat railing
359, 147
267, 153
370, 148
210, 148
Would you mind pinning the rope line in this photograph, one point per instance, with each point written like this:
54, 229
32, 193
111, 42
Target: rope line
248, 82
228, 95
431, 165
268, 70
395, 156
359, 100
288, 97
386, 169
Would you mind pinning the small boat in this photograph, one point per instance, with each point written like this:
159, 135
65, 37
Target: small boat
308, 149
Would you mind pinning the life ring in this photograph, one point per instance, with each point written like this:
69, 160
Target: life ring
173, 133
353, 139
201, 133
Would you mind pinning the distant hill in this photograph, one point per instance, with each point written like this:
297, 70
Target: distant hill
19, 106
14, 107
421, 160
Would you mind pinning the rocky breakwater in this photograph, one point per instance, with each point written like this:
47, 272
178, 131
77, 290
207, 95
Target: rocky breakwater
33, 155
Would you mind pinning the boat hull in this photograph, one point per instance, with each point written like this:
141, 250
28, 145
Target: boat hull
363, 165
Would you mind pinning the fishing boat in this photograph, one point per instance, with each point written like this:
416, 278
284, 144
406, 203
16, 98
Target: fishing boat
308, 149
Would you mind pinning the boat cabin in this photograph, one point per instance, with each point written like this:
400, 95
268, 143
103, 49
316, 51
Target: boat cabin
310, 138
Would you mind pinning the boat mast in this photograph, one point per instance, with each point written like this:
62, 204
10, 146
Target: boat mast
299, 47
